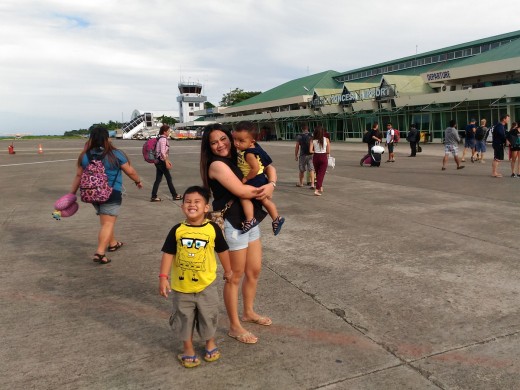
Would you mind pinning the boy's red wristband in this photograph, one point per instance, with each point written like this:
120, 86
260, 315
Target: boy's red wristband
163, 276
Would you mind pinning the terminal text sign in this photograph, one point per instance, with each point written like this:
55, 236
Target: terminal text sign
438, 76
355, 96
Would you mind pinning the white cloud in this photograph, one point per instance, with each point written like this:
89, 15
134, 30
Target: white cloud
67, 65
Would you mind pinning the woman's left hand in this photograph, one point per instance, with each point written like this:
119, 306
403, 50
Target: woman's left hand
265, 192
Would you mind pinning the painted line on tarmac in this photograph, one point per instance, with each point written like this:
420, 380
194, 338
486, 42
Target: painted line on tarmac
38, 162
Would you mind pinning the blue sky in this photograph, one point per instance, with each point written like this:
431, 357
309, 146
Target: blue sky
68, 64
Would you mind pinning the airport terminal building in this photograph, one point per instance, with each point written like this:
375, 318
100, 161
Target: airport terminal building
478, 79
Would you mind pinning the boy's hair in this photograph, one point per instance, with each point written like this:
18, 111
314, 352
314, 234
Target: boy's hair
453, 122
250, 127
197, 190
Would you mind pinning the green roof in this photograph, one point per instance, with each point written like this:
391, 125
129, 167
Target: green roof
511, 35
296, 87
503, 52
327, 80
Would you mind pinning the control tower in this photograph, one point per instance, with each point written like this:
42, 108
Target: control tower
190, 100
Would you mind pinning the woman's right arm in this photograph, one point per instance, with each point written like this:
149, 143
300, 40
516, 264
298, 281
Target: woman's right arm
132, 174
220, 172
75, 181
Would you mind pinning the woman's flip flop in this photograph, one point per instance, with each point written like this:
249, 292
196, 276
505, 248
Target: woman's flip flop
265, 321
246, 338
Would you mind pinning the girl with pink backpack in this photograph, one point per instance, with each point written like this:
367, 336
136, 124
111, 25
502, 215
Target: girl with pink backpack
99, 177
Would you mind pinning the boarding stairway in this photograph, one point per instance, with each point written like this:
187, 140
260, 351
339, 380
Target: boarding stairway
137, 124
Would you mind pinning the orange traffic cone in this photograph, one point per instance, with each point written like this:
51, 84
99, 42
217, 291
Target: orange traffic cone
40, 149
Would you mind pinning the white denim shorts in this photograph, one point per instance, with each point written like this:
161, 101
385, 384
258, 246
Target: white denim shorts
236, 239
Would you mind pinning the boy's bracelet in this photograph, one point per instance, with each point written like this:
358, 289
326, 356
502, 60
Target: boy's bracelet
163, 276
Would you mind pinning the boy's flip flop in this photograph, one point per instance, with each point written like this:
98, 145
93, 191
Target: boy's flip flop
188, 361
212, 356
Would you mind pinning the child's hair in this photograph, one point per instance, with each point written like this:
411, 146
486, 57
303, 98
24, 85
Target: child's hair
197, 190
250, 127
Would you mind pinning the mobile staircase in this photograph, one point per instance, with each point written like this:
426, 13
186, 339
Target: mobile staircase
136, 125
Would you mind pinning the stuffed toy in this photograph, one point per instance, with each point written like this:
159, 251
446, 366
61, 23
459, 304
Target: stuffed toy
66, 206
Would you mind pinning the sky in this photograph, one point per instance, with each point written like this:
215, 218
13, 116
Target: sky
65, 65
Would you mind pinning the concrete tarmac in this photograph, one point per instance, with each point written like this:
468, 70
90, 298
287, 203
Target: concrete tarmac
398, 277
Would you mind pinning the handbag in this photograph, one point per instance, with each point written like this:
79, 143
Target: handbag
218, 216
419, 149
331, 162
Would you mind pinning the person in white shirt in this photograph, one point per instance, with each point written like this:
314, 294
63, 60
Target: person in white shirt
390, 133
320, 148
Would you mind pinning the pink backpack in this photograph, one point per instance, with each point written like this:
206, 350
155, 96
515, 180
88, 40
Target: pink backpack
93, 184
149, 152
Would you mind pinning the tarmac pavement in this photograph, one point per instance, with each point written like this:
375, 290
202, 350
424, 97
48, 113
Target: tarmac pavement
398, 277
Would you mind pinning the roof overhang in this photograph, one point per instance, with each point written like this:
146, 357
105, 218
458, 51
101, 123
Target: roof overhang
301, 99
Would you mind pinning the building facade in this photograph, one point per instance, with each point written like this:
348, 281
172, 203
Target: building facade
478, 79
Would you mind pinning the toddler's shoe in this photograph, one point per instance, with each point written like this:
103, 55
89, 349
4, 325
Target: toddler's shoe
248, 225
277, 225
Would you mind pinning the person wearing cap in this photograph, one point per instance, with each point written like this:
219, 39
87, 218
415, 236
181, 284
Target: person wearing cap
413, 137
469, 142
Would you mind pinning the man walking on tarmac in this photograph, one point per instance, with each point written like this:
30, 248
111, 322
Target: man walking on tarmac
451, 142
390, 137
469, 141
499, 141
303, 155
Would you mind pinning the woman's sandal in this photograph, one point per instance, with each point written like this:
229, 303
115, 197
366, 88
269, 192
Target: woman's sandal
101, 259
115, 247
177, 197
155, 200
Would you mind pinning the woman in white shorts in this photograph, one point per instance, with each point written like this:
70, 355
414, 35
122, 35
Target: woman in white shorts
222, 176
